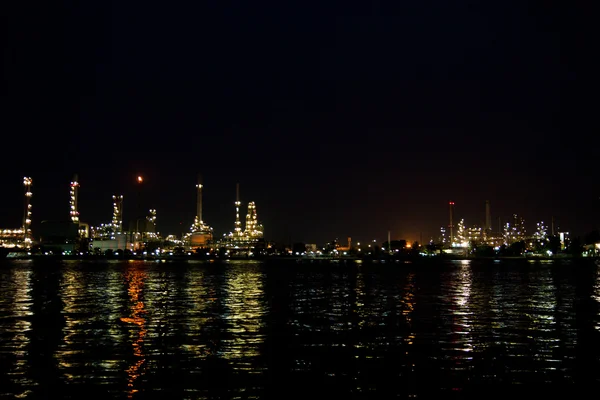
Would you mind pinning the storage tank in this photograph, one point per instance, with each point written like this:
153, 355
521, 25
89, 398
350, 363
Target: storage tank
200, 239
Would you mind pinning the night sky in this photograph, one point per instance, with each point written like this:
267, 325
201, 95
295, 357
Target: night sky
338, 119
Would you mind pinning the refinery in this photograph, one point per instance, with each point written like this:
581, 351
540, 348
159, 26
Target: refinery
74, 237
141, 238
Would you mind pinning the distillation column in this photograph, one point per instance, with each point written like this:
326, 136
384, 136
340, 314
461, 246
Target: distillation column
73, 200
251, 221
117, 218
27, 182
238, 224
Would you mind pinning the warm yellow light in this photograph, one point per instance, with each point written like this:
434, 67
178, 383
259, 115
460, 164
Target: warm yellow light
140, 179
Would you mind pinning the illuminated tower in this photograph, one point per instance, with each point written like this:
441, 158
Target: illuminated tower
199, 225
519, 227
199, 200
238, 224
117, 218
73, 200
461, 234
201, 234
27, 182
253, 228
152, 219
250, 222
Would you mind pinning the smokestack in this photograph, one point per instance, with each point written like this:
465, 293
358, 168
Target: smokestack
488, 217
199, 199
553, 225
389, 242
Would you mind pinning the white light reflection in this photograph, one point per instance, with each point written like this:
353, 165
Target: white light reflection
461, 342
70, 291
16, 288
596, 295
408, 305
244, 300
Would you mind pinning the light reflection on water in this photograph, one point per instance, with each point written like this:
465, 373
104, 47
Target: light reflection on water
596, 295
144, 329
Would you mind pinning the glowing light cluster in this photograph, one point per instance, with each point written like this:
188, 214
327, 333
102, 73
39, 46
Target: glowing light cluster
515, 232
238, 224
541, 232
152, 216
73, 201
27, 182
461, 238
253, 228
117, 218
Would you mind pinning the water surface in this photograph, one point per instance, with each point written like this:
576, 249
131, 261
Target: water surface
240, 330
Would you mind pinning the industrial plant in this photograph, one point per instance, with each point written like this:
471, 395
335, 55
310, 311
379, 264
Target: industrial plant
462, 239
141, 237
73, 236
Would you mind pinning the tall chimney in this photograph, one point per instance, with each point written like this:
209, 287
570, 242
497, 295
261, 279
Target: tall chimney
238, 224
199, 199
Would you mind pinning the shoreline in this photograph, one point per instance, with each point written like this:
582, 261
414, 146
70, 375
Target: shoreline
296, 259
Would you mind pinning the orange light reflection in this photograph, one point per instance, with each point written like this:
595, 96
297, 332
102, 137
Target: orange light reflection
135, 280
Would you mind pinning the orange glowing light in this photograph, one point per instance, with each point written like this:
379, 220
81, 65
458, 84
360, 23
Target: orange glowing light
140, 180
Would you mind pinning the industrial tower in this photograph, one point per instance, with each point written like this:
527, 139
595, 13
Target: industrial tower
73, 200
201, 234
27, 182
253, 229
152, 219
199, 201
117, 218
238, 224
199, 225
451, 225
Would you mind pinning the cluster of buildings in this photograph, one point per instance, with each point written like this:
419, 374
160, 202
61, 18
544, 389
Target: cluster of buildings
463, 236
74, 236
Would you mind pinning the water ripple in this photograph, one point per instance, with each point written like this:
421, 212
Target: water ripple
178, 330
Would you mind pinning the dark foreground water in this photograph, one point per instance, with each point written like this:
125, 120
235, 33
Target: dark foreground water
240, 330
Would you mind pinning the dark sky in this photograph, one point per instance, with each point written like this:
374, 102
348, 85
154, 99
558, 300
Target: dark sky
339, 119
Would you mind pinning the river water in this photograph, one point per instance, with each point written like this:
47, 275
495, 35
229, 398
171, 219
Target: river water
241, 330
